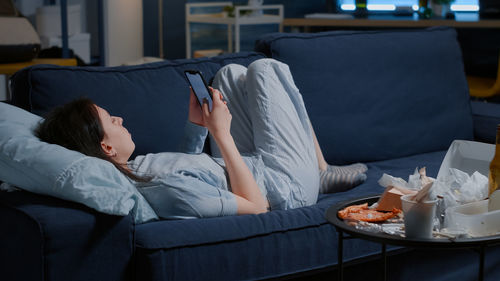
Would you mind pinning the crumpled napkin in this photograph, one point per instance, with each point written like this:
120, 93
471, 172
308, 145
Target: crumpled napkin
415, 181
457, 187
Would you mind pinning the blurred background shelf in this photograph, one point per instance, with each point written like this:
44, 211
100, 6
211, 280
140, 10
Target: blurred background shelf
462, 20
257, 16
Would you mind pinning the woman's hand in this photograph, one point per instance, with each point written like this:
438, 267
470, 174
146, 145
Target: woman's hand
195, 114
218, 122
248, 196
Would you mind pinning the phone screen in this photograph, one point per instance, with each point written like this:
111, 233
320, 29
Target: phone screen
199, 87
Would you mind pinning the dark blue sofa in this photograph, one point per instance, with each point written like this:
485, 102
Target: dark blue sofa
393, 99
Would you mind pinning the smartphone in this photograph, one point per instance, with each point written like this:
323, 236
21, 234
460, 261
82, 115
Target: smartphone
199, 86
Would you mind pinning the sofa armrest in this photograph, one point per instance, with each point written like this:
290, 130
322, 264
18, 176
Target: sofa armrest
44, 238
486, 117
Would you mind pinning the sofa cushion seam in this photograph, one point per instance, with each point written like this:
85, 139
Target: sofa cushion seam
161, 247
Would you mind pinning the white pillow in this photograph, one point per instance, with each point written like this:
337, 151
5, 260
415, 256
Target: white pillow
36, 166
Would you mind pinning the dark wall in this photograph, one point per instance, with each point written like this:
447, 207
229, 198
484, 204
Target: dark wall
480, 50
150, 27
215, 37
480, 47
173, 28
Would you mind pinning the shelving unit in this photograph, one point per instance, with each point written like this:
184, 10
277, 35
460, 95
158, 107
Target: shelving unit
232, 22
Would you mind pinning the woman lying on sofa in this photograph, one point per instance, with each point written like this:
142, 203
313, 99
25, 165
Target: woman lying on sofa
258, 112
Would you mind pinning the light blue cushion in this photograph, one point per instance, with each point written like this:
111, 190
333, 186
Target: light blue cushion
39, 167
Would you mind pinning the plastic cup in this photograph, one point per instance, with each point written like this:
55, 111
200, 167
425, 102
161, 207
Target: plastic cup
418, 217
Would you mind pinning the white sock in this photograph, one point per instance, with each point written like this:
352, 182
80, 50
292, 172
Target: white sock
331, 182
348, 169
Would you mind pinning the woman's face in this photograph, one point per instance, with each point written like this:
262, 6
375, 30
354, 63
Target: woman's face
117, 141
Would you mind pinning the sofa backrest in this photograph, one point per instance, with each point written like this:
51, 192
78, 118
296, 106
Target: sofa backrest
374, 95
152, 98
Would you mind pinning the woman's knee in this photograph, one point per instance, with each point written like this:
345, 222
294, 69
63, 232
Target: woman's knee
269, 69
230, 72
260, 63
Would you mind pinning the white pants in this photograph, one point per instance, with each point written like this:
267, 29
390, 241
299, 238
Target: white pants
271, 121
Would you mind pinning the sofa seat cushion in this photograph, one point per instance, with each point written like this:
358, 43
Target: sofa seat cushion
261, 246
401, 92
151, 98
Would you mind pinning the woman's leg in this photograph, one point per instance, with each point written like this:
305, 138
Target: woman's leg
332, 178
230, 81
277, 121
269, 120
282, 133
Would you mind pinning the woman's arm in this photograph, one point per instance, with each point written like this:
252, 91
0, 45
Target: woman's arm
248, 196
249, 199
193, 139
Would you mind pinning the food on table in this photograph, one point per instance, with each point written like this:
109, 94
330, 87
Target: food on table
363, 213
391, 198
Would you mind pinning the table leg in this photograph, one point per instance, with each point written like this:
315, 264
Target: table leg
384, 261
340, 255
481, 263
4, 88
188, 40
237, 37
229, 38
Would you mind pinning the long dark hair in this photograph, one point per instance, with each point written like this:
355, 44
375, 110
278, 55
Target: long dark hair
76, 126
